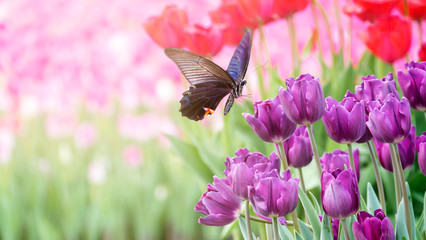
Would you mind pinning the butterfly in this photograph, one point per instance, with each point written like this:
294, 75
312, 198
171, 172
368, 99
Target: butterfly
209, 82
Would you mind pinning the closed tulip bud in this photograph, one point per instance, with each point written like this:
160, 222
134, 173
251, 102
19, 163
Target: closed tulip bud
344, 121
421, 150
372, 88
220, 205
406, 149
340, 196
339, 159
273, 195
240, 170
298, 148
413, 84
303, 100
368, 227
390, 121
270, 122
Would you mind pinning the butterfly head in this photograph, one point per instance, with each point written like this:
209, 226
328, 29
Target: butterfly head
239, 88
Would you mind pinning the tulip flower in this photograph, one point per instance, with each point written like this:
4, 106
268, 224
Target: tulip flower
372, 88
389, 38
284, 8
303, 100
413, 84
368, 10
204, 41
220, 205
167, 30
368, 227
270, 122
258, 10
344, 121
298, 148
240, 170
273, 195
416, 9
340, 196
339, 159
390, 122
421, 150
422, 52
406, 149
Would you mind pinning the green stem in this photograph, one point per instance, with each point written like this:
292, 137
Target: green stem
339, 24
345, 229
275, 228
419, 24
265, 45
395, 174
295, 222
259, 71
281, 154
404, 191
314, 148
294, 46
258, 219
327, 24
378, 177
351, 157
349, 54
248, 226
268, 231
316, 22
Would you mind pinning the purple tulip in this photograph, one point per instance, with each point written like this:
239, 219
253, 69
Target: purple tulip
269, 122
303, 100
369, 227
344, 121
240, 170
298, 148
339, 159
421, 150
406, 149
390, 121
413, 84
339, 193
273, 195
373, 89
220, 205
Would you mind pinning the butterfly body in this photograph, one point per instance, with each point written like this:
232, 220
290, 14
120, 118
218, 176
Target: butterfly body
209, 82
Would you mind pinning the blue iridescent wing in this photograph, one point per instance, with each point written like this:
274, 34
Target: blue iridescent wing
239, 62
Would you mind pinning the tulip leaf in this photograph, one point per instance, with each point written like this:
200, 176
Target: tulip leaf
304, 230
400, 226
326, 232
243, 228
315, 201
349, 222
410, 204
363, 206
312, 214
284, 232
424, 213
372, 200
298, 237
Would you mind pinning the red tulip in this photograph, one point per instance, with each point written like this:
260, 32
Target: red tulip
422, 52
416, 9
167, 30
370, 10
389, 38
284, 8
204, 41
258, 10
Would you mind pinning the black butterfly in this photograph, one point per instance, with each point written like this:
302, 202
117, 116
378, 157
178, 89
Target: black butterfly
209, 82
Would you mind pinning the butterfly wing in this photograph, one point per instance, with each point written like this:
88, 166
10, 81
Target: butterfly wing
239, 62
209, 83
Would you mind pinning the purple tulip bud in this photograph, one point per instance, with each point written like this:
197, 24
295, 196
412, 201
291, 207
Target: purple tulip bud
298, 148
240, 170
339, 159
339, 193
406, 149
273, 195
421, 150
368, 227
344, 121
372, 89
413, 84
219, 204
390, 122
269, 122
303, 100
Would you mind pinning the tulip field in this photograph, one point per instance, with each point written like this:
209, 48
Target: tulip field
278, 119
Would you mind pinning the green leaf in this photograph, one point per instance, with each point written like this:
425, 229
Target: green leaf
316, 204
190, 156
304, 230
298, 237
424, 213
312, 214
400, 226
326, 232
363, 205
243, 227
349, 222
372, 200
410, 204
284, 232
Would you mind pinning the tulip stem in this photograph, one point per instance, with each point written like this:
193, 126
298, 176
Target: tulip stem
275, 228
248, 226
378, 177
395, 174
314, 148
327, 24
294, 45
259, 59
295, 222
264, 43
339, 24
351, 159
404, 191
345, 229
268, 230
419, 24
281, 153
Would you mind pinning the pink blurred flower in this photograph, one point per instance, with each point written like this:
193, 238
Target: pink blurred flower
204, 41
85, 135
133, 156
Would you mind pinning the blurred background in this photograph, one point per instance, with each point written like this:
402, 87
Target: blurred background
92, 143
